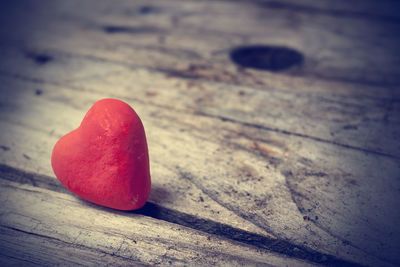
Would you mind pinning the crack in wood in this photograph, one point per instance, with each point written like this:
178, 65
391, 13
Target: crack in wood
19, 259
285, 132
276, 245
119, 29
331, 12
312, 10
66, 243
292, 181
295, 194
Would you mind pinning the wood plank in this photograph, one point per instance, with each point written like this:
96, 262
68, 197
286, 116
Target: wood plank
78, 234
347, 118
22, 248
176, 34
200, 224
327, 152
35, 157
356, 9
286, 185
351, 118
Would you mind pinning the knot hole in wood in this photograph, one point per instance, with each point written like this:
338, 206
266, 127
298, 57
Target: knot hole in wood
265, 57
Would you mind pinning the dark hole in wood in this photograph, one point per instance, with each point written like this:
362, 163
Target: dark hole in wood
5, 148
263, 57
38, 92
39, 59
128, 29
144, 10
117, 29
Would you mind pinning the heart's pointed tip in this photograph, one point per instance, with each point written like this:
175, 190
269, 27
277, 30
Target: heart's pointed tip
105, 160
131, 208
122, 206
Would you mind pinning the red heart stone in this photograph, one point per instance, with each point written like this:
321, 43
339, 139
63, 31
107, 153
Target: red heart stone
105, 160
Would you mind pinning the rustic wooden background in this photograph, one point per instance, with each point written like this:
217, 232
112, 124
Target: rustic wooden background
294, 166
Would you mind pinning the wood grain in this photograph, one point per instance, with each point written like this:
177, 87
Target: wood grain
176, 34
79, 232
185, 54
257, 159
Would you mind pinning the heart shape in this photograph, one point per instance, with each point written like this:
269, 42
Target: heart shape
105, 160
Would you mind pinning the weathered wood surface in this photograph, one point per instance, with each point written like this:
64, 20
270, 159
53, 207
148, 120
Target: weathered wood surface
47, 234
308, 158
179, 42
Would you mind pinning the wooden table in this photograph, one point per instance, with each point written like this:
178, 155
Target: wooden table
273, 130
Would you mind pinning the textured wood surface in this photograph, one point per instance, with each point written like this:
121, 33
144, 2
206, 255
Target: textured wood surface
249, 167
94, 235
